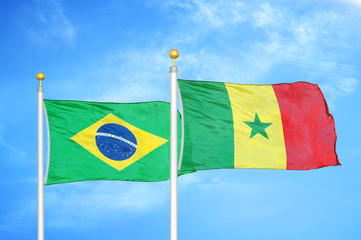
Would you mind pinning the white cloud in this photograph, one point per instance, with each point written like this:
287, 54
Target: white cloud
217, 15
214, 14
352, 2
347, 85
86, 204
134, 76
187, 180
337, 88
122, 75
53, 24
311, 42
268, 16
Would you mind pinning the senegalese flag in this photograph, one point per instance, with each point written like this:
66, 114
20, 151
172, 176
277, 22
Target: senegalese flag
281, 126
108, 141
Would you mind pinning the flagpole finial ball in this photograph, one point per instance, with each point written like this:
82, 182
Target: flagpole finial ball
173, 54
40, 76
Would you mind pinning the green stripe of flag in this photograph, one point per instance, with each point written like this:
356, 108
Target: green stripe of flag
208, 130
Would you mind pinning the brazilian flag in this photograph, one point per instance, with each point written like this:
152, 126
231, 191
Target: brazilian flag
108, 141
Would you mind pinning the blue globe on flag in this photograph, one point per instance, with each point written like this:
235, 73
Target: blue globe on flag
116, 142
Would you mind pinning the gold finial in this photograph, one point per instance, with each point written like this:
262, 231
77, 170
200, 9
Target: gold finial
173, 54
40, 76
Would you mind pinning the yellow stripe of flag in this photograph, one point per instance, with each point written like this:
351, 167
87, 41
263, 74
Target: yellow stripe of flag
258, 132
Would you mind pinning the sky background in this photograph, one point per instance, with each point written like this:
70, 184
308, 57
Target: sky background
118, 51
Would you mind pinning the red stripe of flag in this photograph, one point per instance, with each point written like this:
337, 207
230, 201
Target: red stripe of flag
308, 127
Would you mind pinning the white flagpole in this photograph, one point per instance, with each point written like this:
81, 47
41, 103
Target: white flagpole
40, 76
173, 148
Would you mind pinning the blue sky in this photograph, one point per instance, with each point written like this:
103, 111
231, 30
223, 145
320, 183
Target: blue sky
118, 51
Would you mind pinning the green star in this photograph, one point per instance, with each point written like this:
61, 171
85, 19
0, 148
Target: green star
258, 127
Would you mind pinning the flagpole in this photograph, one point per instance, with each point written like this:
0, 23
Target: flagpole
40, 76
173, 148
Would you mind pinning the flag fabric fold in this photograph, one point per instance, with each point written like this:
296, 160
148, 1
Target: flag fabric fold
281, 126
108, 141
